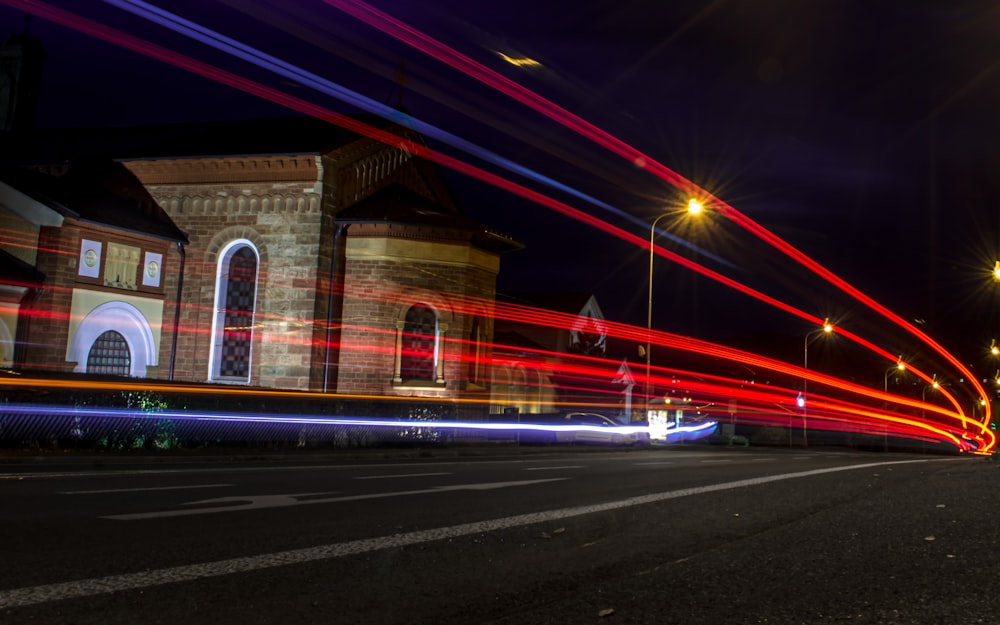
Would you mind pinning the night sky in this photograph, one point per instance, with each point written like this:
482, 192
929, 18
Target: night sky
862, 132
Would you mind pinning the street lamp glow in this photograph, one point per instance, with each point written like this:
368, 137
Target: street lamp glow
695, 207
900, 366
826, 329
996, 271
993, 348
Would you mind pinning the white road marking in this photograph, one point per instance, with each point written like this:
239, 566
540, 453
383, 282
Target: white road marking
386, 477
254, 502
568, 466
138, 490
32, 595
652, 464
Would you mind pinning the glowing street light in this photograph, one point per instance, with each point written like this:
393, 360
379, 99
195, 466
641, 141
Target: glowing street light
826, 329
993, 348
900, 366
694, 207
934, 385
996, 272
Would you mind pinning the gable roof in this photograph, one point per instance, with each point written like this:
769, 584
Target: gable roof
398, 204
98, 191
15, 271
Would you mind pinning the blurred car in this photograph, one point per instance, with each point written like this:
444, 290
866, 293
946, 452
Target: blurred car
594, 428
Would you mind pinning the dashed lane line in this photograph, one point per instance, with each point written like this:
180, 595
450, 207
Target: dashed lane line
396, 475
33, 595
139, 490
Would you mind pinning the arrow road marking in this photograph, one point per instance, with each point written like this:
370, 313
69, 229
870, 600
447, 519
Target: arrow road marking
33, 595
256, 502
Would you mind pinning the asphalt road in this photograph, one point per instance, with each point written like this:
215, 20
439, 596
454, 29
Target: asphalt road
698, 535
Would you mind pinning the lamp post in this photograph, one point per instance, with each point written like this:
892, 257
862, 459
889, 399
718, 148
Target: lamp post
934, 384
694, 207
826, 329
900, 366
923, 394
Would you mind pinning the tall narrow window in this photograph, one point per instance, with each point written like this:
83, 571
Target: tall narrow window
109, 355
235, 299
419, 345
475, 361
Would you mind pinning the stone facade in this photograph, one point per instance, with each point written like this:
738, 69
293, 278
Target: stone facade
273, 203
331, 297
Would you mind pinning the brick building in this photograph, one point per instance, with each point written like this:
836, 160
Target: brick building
284, 253
308, 257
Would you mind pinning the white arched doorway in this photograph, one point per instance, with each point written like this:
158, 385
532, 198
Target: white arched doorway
127, 321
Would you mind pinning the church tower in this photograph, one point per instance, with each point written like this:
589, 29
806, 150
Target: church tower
21, 59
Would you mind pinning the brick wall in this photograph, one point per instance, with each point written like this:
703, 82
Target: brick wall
284, 222
377, 294
58, 250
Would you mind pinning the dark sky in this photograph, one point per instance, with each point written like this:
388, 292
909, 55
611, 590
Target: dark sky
862, 132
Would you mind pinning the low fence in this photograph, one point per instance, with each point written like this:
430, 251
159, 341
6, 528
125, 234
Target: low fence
82, 418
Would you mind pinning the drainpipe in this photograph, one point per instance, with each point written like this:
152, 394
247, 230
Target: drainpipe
335, 279
177, 309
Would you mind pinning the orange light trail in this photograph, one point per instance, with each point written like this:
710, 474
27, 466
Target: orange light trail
420, 41
162, 54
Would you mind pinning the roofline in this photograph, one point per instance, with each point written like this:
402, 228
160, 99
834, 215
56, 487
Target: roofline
163, 237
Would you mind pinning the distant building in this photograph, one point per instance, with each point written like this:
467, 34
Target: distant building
557, 360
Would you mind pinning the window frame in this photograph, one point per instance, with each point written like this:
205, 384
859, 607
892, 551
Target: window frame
216, 348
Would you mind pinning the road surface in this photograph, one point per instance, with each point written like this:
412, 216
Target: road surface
699, 535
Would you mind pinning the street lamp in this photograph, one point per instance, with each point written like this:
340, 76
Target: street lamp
934, 384
694, 207
900, 366
923, 394
996, 272
826, 329
993, 348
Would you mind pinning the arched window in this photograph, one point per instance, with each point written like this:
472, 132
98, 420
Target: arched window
236, 294
419, 345
110, 355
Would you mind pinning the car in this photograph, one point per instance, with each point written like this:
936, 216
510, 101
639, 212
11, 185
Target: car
595, 428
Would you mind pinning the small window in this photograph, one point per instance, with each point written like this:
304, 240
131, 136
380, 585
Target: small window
121, 266
110, 355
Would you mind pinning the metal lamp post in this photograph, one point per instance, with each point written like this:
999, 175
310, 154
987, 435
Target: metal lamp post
694, 207
900, 366
826, 329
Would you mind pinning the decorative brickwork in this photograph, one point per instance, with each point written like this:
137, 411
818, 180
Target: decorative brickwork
306, 333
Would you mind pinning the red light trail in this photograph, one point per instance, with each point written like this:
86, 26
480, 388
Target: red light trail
455, 59
380, 20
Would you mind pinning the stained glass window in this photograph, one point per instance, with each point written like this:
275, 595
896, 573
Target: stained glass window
240, 288
109, 355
